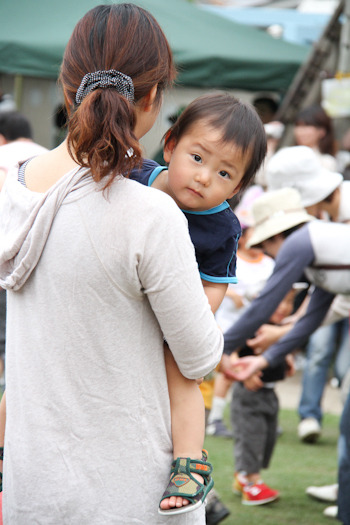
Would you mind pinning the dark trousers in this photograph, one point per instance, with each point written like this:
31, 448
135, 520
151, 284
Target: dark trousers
344, 465
254, 418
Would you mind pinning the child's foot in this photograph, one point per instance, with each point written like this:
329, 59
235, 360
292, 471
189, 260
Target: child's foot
189, 484
219, 429
258, 494
177, 501
239, 482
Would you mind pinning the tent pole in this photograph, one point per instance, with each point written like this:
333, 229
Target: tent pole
344, 56
18, 91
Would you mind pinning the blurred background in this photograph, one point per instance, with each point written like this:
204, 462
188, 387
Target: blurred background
276, 54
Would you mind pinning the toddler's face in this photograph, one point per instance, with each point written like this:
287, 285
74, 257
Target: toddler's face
203, 171
284, 309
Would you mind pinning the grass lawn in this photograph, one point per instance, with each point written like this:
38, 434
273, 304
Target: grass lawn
294, 467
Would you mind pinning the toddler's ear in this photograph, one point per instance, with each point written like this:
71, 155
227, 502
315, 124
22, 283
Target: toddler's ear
169, 146
235, 191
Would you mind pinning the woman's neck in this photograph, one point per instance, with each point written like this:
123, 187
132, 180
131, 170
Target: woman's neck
45, 170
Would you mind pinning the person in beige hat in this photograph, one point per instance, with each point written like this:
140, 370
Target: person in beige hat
299, 244
276, 212
323, 194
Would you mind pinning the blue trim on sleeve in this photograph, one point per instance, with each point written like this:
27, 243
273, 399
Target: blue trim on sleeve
155, 174
213, 279
223, 206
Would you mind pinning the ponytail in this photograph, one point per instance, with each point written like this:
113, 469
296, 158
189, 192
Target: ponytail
101, 135
117, 38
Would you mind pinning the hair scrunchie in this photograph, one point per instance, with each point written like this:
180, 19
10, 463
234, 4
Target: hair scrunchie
105, 79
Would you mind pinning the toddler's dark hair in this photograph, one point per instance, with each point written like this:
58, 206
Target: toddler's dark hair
238, 120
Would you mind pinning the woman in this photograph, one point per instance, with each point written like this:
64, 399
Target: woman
314, 128
98, 269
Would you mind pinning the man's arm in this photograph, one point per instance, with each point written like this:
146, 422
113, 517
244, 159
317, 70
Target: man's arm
317, 309
295, 255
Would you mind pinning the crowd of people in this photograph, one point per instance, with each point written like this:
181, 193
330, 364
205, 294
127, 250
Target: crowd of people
300, 221
136, 298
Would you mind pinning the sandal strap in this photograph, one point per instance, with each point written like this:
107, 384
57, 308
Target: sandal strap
198, 466
183, 484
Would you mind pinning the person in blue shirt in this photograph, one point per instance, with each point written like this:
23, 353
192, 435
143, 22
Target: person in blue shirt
213, 151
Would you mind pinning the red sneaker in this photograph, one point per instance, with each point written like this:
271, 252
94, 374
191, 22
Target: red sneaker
239, 482
258, 494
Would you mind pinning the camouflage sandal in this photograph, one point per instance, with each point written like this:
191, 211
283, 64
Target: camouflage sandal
183, 484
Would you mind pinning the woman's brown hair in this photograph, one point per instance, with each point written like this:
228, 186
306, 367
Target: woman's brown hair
316, 116
128, 39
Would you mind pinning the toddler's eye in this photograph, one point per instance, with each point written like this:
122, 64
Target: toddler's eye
224, 174
196, 157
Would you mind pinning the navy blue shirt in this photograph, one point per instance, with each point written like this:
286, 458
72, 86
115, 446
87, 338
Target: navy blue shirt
214, 232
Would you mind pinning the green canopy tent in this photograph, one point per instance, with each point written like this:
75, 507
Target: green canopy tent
209, 50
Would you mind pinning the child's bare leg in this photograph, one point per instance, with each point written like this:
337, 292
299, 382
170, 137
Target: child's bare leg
187, 420
221, 387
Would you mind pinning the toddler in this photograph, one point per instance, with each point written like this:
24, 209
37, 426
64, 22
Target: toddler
254, 416
213, 151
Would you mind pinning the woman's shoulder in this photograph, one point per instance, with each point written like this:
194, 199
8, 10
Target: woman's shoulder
150, 200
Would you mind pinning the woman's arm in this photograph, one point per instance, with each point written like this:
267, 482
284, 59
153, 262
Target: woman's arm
168, 272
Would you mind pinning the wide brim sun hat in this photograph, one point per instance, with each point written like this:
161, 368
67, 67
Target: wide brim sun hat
299, 167
275, 212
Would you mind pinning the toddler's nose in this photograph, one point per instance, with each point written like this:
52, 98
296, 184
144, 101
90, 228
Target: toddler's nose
203, 177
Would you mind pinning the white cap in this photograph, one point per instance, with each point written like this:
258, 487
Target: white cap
299, 167
274, 129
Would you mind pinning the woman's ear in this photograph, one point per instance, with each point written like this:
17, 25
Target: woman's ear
169, 146
149, 99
